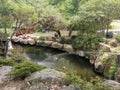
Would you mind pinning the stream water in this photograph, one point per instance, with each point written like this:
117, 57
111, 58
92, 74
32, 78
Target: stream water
56, 59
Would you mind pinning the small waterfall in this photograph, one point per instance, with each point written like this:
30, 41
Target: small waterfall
10, 47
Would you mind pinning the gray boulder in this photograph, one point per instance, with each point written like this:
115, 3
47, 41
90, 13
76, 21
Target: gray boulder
46, 75
4, 73
112, 84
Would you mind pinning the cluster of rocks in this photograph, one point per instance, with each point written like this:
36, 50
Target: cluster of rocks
46, 79
50, 42
35, 41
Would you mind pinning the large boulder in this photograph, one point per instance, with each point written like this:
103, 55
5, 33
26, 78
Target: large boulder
4, 73
112, 84
46, 75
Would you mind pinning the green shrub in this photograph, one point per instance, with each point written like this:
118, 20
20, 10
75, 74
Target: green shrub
118, 38
110, 73
86, 41
17, 57
6, 62
76, 80
38, 29
65, 40
25, 69
72, 78
5, 36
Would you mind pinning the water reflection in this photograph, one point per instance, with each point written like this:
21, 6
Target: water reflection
56, 59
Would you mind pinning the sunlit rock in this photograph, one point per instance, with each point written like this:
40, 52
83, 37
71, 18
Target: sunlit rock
47, 43
68, 48
112, 84
57, 45
31, 41
15, 39
46, 75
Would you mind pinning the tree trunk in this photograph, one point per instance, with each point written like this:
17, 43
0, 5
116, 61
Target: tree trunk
5, 30
70, 33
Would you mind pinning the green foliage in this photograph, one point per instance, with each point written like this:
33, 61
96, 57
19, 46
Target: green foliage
118, 38
25, 69
110, 73
65, 40
94, 83
86, 41
110, 66
5, 20
72, 78
4, 36
17, 57
6, 62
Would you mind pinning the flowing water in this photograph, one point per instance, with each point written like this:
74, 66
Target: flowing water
56, 59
